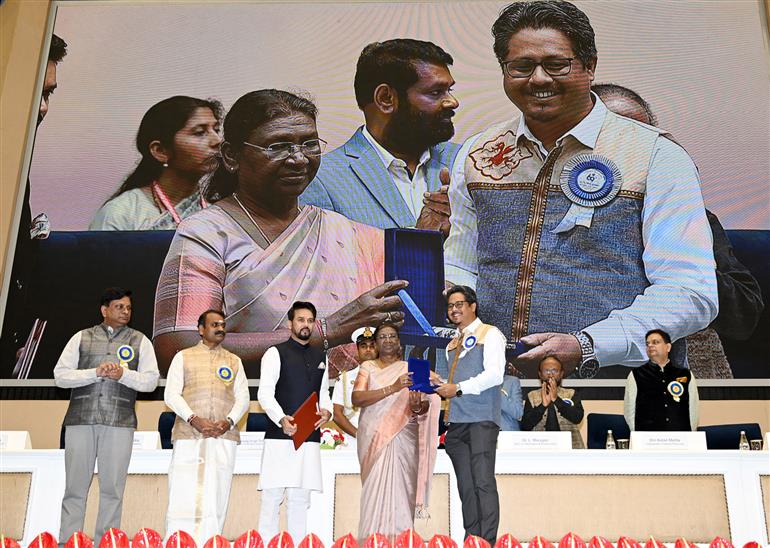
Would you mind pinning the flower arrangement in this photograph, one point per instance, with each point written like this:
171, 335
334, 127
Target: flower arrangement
331, 438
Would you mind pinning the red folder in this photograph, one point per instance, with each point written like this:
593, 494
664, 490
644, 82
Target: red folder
304, 419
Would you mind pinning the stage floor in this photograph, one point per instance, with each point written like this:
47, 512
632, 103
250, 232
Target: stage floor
697, 495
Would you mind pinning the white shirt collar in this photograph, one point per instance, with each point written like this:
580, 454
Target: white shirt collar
472, 326
386, 157
586, 131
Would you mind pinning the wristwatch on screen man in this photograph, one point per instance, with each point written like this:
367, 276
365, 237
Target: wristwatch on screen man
589, 365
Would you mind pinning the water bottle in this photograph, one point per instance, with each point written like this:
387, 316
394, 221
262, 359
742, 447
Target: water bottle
610, 443
743, 444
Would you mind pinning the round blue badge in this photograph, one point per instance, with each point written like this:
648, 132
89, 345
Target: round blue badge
225, 374
568, 401
590, 180
469, 342
675, 389
125, 353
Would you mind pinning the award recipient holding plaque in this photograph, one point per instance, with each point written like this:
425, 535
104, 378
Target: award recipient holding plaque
477, 366
105, 366
397, 440
291, 371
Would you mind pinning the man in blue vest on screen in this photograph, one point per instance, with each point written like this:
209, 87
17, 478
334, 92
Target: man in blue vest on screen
580, 230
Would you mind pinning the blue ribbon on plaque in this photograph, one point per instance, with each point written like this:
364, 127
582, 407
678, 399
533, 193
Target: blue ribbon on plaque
417, 256
590, 180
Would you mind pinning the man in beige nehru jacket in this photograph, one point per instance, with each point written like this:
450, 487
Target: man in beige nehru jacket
207, 389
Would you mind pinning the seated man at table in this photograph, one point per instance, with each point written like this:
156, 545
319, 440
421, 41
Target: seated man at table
553, 408
660, 396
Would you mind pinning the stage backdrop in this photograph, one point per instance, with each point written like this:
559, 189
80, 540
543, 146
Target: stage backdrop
703, 67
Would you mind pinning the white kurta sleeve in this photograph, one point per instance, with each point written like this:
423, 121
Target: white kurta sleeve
174, 386
325, 402
241, 389
270, 372
66, 373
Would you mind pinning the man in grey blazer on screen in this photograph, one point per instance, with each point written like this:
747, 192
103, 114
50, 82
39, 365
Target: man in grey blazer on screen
393, 171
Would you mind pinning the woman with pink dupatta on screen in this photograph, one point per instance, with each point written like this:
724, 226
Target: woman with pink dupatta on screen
255, 250
397, 441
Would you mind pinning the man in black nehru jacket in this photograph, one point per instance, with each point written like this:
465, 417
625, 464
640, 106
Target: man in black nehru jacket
659, 395
291, 371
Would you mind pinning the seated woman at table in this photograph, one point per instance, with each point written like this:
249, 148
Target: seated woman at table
397, 440
255, 251
178, 140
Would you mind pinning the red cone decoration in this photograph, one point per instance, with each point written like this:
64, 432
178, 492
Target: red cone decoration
654, 543
281, 540
752, 544
719, 542
217, 541
683, 543
43, 540
599, 542
147, 538
571, 540
114, 538
249, 539
625, 542
472, 541
507, 541
408, 539
311, 541
377, 540
348, 541
180, 539
539, 542
8, 542
441, 541
79, 540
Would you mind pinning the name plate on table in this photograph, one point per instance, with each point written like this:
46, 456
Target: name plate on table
534, 441
668, 441
252, 440
15, 440
146, 441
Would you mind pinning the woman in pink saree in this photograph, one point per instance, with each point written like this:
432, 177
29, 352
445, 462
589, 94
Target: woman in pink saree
255, 250
397, 441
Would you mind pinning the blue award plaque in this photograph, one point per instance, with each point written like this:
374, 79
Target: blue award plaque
420, 370
417, 256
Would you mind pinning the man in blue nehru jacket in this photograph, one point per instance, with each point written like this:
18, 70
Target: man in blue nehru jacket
105, 366
476, 368
393, 171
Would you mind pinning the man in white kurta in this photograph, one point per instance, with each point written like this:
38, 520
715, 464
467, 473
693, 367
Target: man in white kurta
290, 372
207, 389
